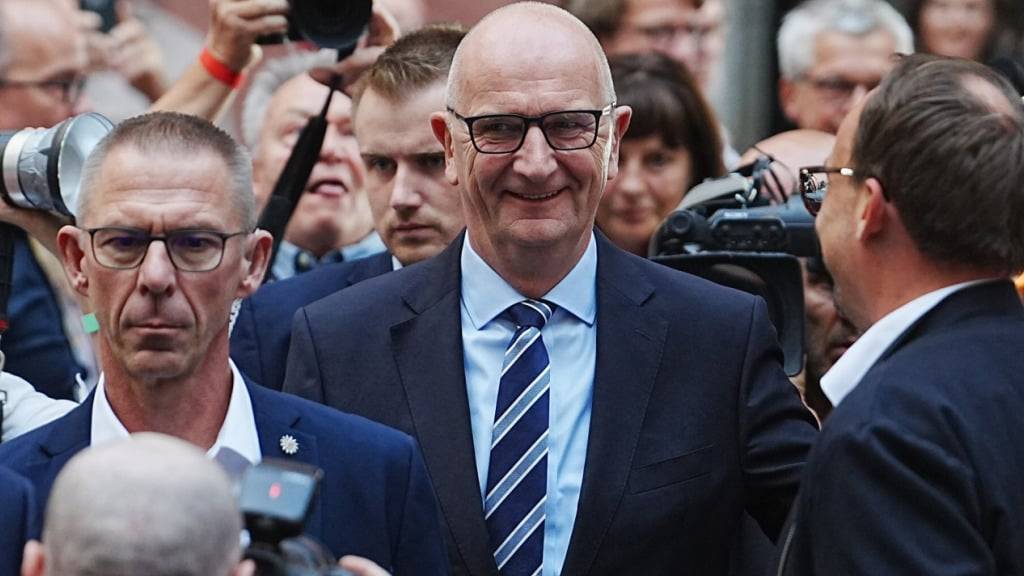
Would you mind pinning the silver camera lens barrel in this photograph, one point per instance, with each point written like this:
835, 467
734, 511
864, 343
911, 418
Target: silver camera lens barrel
11, 156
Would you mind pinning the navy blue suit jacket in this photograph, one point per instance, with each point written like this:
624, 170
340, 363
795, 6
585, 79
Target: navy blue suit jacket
375, 499
919, 470
35, 345
263, 328
693, 420
18, 520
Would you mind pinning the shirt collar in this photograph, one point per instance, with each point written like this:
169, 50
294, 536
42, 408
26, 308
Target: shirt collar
486, 295
284, 263
851, 367
238, 431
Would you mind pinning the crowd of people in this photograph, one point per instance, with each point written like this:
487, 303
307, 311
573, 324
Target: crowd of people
461, 326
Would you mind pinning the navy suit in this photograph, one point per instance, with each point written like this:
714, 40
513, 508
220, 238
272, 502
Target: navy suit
692, 422
375, 499
919, 470
35, 345
263, 328
18, 520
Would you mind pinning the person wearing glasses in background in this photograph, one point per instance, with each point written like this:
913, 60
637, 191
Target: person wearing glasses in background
831, 53
165, 241
580, 410
918, 469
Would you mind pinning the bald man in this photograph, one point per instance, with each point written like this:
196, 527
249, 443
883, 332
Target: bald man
151, 505
581, 410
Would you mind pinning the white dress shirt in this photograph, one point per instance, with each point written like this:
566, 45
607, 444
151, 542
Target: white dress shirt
851, 367
238, 432
570, 337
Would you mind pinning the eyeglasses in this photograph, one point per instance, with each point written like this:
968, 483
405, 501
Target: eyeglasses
814, 185
838, 89
68, 90
189, 250
505, 133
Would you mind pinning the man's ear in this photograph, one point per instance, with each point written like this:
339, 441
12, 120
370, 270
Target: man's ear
620, 123
256, 259
71, 249
34, 561
439, 124
872, 208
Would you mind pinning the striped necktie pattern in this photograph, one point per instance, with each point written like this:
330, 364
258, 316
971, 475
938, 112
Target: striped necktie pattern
518, 471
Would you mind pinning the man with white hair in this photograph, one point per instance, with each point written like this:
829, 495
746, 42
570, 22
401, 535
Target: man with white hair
831, 53
150, 505
332, 221
580, 410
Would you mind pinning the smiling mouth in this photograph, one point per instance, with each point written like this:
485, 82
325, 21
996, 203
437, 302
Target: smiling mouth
536, 197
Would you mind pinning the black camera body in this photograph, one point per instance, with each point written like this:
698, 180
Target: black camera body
336, 24
784, 228
728, 233
276, 498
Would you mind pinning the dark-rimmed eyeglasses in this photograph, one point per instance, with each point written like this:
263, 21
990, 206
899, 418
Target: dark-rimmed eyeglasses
67, 90
189, 250
505, 133
814, 185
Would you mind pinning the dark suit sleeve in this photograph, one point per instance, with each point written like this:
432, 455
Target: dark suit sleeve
302, 376
777, 430
245, 343
421, 548
884, 500
18, 521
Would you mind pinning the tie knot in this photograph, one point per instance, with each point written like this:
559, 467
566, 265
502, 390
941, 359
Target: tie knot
532, 313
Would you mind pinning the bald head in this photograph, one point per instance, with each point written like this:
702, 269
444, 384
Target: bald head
509, 42
792, 149
150, 505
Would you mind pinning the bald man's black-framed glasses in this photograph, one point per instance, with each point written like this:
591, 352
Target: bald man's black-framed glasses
189, 250
814, 185
505, 133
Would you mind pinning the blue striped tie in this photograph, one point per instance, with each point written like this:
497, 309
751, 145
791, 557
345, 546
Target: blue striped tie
518, 472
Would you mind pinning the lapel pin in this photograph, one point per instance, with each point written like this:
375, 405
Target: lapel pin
289, 445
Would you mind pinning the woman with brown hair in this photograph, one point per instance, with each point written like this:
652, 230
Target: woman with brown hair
673, 143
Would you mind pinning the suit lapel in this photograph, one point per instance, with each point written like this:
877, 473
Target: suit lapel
276, 421
369, 267
427, 348
629, 346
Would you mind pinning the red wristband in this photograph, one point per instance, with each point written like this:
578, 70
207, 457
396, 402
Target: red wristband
219, 70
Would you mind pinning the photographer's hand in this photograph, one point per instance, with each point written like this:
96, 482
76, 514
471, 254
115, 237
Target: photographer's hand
135, 55
234, 27
381, 32
361, 566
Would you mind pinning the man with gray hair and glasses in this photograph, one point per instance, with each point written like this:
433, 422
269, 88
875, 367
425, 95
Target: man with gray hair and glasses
165, 241
831, 53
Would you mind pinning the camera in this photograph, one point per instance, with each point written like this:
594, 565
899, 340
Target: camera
42, 167
336, 24
276, 498
727, 231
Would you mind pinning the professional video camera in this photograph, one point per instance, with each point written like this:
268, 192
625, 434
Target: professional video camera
727, 231
276, 497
